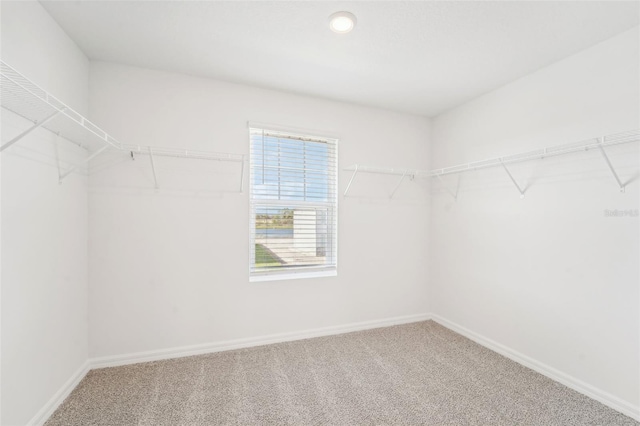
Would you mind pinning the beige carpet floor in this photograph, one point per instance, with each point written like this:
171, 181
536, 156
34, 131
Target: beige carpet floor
415, 374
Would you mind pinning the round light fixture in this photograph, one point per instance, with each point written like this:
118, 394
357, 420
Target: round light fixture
342, 22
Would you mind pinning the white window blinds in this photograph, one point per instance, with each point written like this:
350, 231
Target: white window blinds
293, 205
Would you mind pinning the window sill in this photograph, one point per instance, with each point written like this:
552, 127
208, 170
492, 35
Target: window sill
291, 276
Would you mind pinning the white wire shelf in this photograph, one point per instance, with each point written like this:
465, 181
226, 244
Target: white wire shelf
178, 153
403, 173
383, 170
182, 153
28, 100
595, 143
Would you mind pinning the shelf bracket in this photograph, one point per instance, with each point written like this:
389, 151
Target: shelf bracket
613, 171
398, 184
446, 188
242, 175
520, 190
57, 152
355, 172
30, 129
153, 168
85, 161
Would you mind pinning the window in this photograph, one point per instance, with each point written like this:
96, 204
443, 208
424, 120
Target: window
293, 205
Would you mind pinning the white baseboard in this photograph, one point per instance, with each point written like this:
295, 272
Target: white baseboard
177, 352
606, 398
57, 399
112, 361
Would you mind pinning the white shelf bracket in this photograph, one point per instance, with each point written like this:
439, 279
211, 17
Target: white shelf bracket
520, 190
398, 184
85, 161
30, 129
446, 188
355, 172
55, 148
153, 168
242, 174
613, 171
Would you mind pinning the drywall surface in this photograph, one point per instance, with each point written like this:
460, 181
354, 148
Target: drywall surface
170, 267
555, 275
44, 225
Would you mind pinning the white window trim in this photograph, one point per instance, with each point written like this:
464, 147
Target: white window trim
291, 275
308, 271
293, 131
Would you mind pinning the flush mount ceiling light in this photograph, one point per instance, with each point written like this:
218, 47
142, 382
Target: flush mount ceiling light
342, 22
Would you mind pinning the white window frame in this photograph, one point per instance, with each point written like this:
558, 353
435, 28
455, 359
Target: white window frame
332, 203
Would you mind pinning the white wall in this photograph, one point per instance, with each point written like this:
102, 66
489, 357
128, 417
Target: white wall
44, 225
169, 268
548, 276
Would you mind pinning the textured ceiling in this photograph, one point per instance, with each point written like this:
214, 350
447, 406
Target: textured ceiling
418, 57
